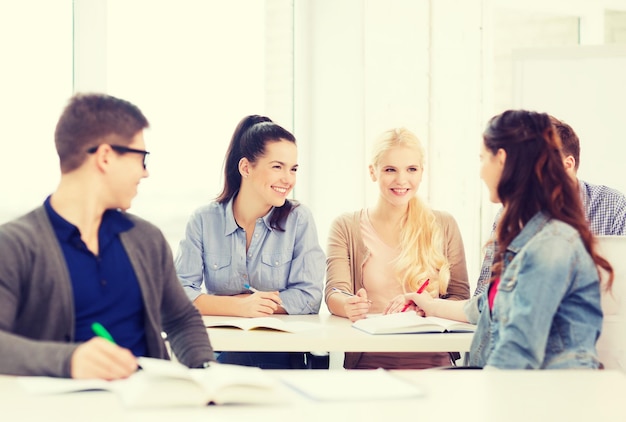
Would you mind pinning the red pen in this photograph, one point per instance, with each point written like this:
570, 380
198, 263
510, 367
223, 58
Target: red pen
420, 290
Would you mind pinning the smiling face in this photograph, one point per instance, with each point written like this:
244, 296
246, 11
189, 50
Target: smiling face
273, 175
399, 173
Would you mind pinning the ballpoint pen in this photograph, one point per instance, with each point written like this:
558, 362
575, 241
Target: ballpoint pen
249, 287
420, 290
346, 293
100, 331
253, 290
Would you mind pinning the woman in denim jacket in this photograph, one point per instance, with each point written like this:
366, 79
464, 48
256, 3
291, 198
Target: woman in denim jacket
542, 308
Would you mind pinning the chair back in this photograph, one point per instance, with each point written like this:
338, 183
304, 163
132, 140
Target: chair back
611, 345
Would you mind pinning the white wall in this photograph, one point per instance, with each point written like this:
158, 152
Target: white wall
359, 67
35, 82
195, 68
375, 65
583, 86
458, 111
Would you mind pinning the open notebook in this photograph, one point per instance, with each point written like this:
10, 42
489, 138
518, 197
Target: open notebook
163, 383
262, 323
410, 322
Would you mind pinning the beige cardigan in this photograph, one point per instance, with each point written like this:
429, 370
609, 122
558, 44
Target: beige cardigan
346, 254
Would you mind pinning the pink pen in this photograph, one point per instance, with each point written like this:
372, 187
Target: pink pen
420, 290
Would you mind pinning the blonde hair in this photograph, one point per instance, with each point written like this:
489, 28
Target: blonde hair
421, 239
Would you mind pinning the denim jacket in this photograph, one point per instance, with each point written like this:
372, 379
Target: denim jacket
546, 314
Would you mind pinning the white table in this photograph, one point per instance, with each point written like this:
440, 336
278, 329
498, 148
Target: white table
450, 395
334, 335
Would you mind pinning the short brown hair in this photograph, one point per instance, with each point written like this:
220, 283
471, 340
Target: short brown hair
570, 144
87, 120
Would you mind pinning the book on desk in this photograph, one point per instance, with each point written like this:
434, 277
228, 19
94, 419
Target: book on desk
410, 323
164, 383
262, 323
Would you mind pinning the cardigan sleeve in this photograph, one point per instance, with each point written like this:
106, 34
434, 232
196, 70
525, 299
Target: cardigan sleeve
340, 258
458, 286
36, 323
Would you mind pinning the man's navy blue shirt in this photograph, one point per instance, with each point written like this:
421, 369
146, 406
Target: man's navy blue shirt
104, 286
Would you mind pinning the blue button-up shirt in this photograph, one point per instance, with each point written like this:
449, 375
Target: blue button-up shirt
104, 286
547, 312
291, 262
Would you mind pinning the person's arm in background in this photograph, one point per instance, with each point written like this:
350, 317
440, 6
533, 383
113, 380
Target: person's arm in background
305, 280
442, 308
490, 249
619, 217
339, 275
485, 270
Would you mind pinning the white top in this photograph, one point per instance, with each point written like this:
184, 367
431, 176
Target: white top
378, 273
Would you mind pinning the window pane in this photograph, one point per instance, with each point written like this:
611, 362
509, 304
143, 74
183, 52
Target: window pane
195, 67
35, 83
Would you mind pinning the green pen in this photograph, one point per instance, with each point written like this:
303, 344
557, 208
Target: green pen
100, 331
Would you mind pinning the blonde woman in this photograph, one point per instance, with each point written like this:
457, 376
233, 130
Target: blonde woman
392, 248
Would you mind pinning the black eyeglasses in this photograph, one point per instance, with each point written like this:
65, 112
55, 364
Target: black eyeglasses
122, 149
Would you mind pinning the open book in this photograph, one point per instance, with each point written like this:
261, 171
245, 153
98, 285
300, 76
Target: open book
163, 383
410, 322
263, 323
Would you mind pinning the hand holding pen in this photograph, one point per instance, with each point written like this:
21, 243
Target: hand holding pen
343, 292
419, 291
355, 306
261, 303
101, 358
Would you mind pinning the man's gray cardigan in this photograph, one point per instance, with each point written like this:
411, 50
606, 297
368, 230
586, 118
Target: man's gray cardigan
36, 301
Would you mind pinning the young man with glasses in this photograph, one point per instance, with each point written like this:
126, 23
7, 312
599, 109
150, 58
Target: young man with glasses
80, 259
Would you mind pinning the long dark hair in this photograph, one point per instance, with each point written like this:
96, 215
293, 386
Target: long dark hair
248, 141
534, 179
